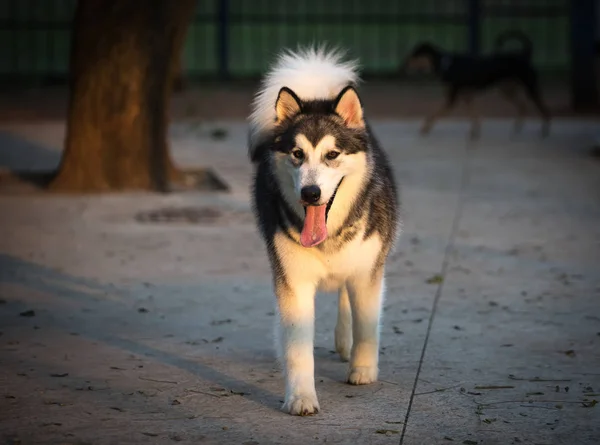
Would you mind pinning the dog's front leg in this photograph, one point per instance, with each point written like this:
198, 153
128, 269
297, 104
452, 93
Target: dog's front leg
444, 109
296, 303
366, 299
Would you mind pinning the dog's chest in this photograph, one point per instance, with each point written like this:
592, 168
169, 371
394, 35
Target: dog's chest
354, 257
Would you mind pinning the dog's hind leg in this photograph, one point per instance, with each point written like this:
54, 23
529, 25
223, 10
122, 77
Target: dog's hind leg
510, 92
474, 114
366, 299
440, 112
296, 303
531, 84
343, 327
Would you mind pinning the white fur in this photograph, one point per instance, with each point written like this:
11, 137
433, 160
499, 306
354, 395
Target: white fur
311, 73
343, 327
357, 329
317, 74
315, 170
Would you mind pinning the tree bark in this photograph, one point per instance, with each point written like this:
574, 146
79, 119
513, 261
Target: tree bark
124, 57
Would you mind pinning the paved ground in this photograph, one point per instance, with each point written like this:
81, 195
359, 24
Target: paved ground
118, 332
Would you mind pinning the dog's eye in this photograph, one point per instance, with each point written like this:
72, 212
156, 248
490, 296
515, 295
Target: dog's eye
298, 154
332, 155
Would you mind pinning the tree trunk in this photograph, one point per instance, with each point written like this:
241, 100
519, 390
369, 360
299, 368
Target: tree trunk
124, 57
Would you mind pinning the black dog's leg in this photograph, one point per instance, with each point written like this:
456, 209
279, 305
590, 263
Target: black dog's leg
474, 114
442, 111
531, 84
510, 92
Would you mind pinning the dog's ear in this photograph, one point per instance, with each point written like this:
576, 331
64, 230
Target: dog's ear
287, 104
349, 108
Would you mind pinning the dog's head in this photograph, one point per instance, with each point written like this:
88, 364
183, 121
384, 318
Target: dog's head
421, 59
317, 144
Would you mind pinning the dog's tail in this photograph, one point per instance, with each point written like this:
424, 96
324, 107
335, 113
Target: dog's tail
315, 72
520, 36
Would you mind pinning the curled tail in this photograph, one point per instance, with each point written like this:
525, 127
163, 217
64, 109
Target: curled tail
311, 73
520, 36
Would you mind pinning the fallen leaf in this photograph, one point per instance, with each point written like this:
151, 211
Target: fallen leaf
387, 432
239, 393
53, 402
436, 279
149, 434
218, 133
29, 313
63, 374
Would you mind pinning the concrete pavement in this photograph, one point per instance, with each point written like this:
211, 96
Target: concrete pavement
114, 331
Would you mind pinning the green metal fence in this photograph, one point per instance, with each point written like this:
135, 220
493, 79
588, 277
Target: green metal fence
238, 38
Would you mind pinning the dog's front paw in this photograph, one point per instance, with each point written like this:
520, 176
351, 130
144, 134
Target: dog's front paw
301, 405
425, 130
362, 375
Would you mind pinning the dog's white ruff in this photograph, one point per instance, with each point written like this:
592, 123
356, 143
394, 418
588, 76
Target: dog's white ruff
312, 73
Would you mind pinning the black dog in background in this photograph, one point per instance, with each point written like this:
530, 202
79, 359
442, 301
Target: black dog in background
465, 76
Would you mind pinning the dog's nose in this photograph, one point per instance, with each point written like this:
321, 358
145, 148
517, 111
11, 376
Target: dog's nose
310, 194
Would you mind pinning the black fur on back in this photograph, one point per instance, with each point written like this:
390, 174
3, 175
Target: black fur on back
461, 70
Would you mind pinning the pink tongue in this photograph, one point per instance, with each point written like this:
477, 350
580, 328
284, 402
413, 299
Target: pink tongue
315, 229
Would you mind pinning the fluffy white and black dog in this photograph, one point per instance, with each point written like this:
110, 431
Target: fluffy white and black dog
326, 204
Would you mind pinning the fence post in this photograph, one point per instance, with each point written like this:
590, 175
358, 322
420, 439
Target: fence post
474, 26
222, 46
584, 93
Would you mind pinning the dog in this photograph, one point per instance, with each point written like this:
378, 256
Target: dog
326, 205
465, 76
